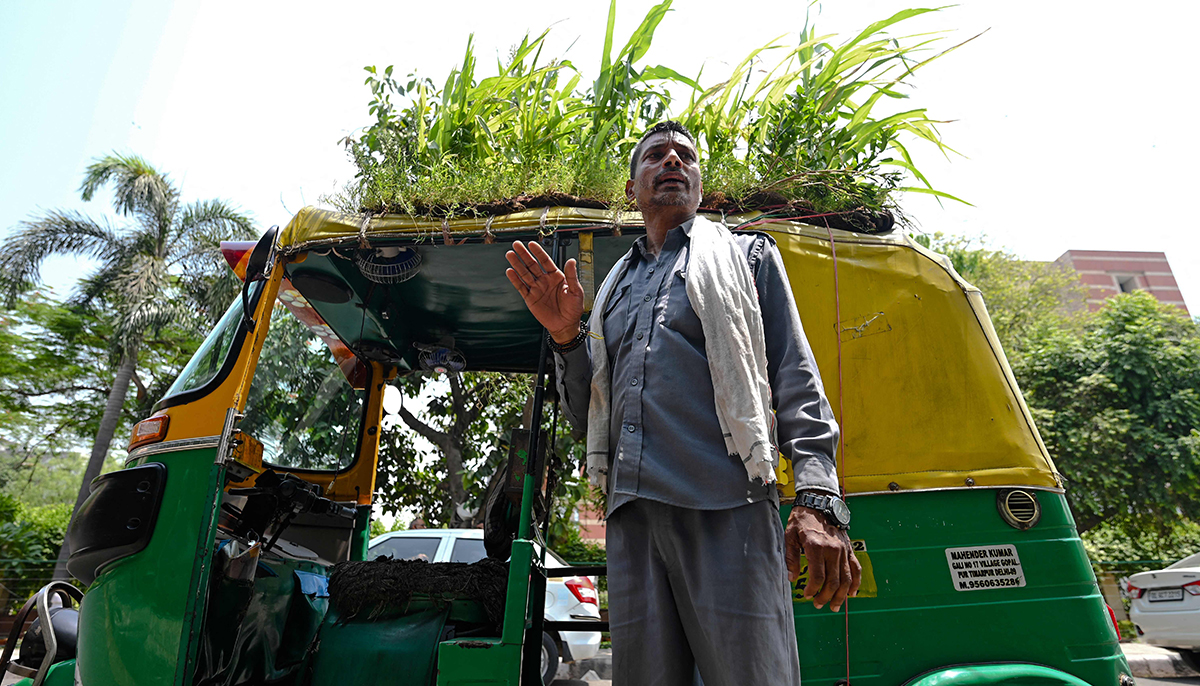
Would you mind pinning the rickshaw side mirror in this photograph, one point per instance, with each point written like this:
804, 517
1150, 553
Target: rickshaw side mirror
255, 268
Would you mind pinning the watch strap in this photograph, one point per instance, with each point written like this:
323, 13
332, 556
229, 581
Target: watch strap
821, 503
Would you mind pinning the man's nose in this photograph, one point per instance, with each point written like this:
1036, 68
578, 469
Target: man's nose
672, 160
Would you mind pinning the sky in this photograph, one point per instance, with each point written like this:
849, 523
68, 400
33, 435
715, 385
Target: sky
1074, 120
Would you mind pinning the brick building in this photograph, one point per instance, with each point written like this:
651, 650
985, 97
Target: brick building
591, 524
1109, 272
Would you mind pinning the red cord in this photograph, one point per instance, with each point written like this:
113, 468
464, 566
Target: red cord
837, 327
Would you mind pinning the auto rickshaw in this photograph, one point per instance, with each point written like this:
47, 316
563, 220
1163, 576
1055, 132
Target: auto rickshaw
231, 547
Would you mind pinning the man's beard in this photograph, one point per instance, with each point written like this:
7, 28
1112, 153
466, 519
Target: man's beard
670, 198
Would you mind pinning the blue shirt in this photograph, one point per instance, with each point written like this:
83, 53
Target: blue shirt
665, 439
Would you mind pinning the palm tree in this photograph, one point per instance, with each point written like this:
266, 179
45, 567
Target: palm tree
162, 268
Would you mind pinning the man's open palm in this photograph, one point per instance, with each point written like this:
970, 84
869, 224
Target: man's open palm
553, 297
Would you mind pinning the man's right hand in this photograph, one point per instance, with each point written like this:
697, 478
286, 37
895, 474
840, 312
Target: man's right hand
553, 297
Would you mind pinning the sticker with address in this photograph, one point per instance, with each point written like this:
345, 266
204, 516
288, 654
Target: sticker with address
986, 567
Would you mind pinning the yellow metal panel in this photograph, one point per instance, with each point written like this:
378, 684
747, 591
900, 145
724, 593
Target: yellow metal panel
926, 399
206, 416
358, 482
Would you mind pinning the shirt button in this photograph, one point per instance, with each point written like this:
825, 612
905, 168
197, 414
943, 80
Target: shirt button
650, 271
639, 336
646, 298
629, 428
633, 382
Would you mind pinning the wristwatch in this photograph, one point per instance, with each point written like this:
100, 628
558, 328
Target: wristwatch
833, 507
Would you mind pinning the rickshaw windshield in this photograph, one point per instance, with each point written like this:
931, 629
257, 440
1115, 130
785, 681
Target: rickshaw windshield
301, 407
210, 357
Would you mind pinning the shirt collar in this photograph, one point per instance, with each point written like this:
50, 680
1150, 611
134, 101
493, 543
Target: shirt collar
684, 231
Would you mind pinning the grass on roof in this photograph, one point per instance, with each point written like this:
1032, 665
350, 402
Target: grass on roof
814, 126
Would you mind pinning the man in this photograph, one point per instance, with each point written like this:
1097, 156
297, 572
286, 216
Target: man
696, 557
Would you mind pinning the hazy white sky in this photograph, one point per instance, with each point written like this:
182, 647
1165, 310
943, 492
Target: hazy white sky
1074, 118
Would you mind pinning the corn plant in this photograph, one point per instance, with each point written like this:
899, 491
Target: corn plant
801, 123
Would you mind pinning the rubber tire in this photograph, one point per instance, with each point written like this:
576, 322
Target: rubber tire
549, 659
1191, 658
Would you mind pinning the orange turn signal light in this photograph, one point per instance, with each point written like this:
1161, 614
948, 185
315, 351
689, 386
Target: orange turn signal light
150, 430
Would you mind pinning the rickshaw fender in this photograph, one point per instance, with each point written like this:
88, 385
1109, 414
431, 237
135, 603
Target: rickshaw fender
59, 674
1009, 673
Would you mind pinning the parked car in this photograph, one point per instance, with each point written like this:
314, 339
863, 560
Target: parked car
570, 598
1165, 604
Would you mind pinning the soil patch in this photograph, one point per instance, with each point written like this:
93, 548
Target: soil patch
383, 586
858, 220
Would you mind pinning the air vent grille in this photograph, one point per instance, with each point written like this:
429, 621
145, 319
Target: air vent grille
1019, 509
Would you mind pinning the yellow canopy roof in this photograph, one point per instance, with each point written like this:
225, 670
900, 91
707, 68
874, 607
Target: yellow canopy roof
919, 383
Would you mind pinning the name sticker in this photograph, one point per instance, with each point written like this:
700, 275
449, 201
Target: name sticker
986, 567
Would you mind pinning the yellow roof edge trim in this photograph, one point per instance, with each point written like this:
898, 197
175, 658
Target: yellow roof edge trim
315, 227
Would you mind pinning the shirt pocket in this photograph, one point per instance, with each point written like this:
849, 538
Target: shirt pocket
614, 299
678, 314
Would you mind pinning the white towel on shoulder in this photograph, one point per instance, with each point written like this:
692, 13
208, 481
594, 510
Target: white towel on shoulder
722, 293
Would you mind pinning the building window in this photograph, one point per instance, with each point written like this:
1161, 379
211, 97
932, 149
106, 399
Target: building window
1128, 284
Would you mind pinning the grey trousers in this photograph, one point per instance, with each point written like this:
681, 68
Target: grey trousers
702, 590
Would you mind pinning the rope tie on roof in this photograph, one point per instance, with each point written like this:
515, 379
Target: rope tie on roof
363, 243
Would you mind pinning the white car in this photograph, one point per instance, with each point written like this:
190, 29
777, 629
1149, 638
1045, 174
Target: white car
567, 599
1165, 604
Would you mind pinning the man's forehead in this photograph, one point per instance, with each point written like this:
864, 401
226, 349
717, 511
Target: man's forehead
664, 139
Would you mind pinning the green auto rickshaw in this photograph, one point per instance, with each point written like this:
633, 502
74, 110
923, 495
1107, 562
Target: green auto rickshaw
231, 549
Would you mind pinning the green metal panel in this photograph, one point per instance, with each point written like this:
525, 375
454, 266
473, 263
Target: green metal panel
399, 651
484, 662
1005, 674
919, 622
59, 674
361, 539
138, 619
512, 631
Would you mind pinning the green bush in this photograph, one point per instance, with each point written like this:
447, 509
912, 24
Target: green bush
49, 522
30, 538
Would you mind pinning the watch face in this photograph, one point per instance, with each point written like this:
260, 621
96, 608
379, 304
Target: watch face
840, 512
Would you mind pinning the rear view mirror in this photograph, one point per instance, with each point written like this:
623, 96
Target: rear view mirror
255, 271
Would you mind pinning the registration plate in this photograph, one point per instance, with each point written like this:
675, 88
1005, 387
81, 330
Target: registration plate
1159, 595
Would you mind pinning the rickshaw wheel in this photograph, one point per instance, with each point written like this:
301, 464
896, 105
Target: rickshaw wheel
549, 658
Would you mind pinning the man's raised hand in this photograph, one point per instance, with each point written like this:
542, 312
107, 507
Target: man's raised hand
553, 297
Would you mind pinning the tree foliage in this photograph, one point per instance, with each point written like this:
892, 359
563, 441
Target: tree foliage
436, 461
1021, 295
1118, 405
301, 407
29, 539
1115, 547
56, 370
1115, 394
160, 269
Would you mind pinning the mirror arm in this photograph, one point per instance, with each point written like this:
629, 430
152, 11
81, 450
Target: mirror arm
256, 271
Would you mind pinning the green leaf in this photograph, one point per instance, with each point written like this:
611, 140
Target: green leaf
930, 191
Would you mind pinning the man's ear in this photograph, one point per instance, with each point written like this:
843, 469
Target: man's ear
629, 189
